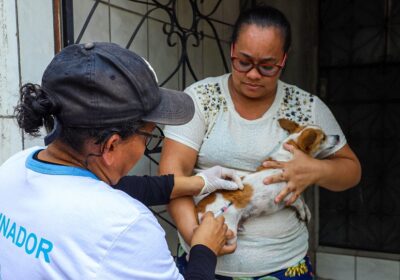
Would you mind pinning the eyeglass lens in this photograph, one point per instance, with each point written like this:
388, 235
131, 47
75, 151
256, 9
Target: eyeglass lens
246, 66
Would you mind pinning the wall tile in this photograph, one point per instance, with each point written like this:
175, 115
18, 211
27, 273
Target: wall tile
98, 29
160, 13
11, 139
212, 64
335, 267
231, 10
208, 7
9, 72
30, 141
130, 6
371, 269
162, 57
35, 24
225, 15
194, 53
123, 24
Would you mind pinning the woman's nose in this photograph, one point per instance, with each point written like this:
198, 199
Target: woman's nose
253, 74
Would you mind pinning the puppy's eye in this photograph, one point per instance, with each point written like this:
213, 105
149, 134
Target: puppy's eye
324, 138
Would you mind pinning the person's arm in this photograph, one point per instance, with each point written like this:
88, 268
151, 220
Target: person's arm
159, 190
201, 264
156, 190
179, 159
150, 190
207, 242
339, 172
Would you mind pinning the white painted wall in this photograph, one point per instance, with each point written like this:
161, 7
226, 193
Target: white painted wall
26, 47
9, 79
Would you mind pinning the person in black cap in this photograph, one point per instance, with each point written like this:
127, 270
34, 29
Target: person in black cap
59, 216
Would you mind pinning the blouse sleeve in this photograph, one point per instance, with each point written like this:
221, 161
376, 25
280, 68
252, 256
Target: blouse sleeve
326, 120
192, 133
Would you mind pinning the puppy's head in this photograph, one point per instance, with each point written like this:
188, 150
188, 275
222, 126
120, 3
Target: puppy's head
309, 138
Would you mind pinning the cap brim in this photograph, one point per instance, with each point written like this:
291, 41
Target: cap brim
175, 108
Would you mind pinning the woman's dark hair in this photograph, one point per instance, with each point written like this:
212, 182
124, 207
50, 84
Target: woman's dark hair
35, 109
264, 16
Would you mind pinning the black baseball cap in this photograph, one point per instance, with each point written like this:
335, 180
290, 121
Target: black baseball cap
103, 84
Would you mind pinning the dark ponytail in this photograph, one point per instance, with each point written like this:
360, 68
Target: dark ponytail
34, 109
264, 16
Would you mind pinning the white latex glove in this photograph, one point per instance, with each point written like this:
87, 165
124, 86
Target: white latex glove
214, 179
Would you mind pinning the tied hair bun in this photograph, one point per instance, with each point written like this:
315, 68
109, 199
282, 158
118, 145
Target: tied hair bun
34, 109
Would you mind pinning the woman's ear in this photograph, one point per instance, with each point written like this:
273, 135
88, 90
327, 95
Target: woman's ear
110, 148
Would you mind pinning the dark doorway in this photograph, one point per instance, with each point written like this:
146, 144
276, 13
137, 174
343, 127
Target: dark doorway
359, 79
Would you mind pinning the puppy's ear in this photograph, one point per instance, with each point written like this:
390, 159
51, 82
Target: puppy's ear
306, 140
293, 143
288, 125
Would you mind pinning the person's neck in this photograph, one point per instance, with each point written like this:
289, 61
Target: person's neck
251, 108
60, 153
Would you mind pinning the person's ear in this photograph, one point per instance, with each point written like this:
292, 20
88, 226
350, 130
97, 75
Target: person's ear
110, 148
231, 49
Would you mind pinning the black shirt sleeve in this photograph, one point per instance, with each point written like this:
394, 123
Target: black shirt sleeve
201, 264
150, 190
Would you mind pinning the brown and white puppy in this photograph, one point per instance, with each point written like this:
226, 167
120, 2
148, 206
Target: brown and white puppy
256, 197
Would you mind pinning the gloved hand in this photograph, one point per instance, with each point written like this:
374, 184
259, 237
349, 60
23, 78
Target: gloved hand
214, 179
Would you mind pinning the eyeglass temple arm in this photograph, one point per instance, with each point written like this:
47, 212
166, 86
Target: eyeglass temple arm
283, 60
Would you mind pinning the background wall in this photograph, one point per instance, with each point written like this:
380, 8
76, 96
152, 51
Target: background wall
26, 47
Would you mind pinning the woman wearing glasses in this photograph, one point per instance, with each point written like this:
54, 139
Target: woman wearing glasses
59, 216
235, 125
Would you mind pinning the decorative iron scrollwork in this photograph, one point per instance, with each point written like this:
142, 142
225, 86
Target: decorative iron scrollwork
176, 32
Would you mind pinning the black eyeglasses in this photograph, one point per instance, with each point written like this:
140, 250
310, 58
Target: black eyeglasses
153, 140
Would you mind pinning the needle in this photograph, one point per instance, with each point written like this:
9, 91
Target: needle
222, 210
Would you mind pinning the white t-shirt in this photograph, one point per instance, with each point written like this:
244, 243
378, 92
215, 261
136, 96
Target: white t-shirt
60, 222
222, 137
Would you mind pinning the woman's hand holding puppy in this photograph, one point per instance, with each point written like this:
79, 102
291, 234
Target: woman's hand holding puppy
303, 171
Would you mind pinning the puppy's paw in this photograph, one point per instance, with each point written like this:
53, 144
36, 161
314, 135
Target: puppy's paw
302, 211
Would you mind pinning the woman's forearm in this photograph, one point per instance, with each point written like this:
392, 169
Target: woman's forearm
182, 210
338, 174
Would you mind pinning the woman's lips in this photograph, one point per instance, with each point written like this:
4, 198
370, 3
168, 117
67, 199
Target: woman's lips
252, 86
